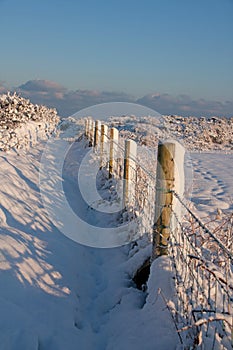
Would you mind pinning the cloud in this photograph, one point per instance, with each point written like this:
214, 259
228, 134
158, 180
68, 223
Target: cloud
68, 102
41, 86
185, 106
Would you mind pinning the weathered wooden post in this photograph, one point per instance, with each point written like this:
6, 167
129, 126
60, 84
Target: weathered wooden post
103, 144
97, 133
86, 127
92, 131
129, 172
163, 198
89, 125
114, 135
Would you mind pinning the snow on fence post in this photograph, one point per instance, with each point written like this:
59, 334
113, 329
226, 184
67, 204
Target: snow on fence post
92, 132
88, 130
129, 172
86, 127
97, 133
103, 145
164, 198
179, 184
114, 135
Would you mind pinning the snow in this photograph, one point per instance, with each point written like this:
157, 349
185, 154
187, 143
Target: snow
58, 294
213, 181
55, 293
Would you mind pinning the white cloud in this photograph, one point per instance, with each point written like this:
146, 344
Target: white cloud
184, 105
68, 102
41, 85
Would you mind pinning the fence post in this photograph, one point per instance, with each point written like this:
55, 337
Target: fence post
86, 127
114, 135
129, 172
97, 133
103, 144
92, 130
179, 184
163, 198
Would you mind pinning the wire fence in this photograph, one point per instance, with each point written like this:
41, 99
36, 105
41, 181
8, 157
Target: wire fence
140, 208
203, 277
202, 260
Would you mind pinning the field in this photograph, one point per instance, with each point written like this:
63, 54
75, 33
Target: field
56, 293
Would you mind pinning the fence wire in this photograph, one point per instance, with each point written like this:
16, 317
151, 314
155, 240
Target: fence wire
204, 283
202, 261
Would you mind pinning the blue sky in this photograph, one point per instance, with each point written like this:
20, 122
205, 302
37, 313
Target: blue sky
137, 47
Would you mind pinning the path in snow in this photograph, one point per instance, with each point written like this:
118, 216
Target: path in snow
56, 294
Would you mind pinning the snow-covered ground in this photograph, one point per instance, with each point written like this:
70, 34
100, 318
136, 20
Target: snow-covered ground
213, 187
57, 294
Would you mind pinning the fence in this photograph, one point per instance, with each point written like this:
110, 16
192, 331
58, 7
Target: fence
202, 262
203, 268
120, 158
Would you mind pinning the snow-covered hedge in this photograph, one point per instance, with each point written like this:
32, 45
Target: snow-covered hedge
202, 134
23, 123
197, 134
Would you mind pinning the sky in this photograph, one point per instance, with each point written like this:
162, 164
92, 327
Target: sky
179, 49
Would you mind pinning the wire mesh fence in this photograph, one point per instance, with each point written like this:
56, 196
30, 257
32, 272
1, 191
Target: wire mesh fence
142, 189
201, 255
204, 284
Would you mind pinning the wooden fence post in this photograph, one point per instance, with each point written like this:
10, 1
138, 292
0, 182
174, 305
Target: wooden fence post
88, 130
179, 184
129, 172
103, 145
114, 135
92, 131
163, 198
97, 133
86, 127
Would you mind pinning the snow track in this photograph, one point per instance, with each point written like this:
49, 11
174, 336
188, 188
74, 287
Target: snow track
212, 181
56, 294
